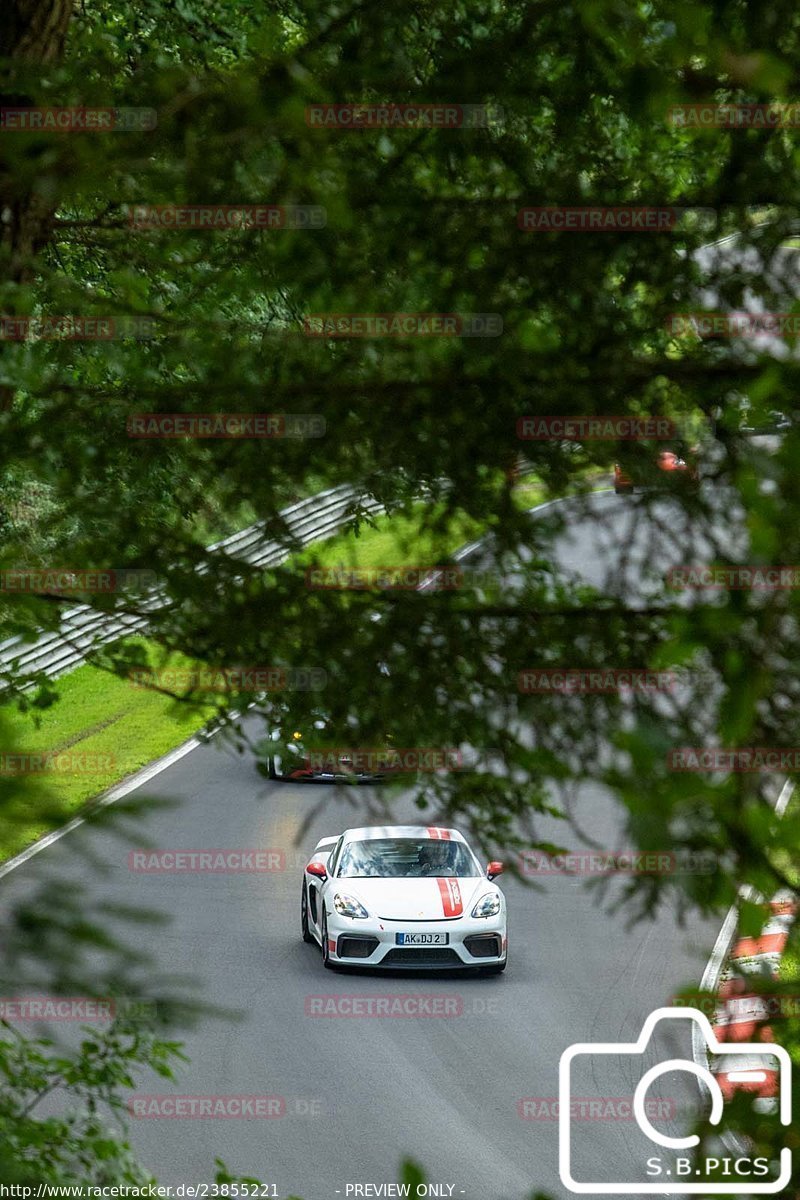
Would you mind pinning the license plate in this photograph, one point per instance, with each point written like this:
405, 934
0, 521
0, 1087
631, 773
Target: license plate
422, 939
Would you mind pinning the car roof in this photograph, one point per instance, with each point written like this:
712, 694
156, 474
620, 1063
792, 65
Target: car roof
368, 833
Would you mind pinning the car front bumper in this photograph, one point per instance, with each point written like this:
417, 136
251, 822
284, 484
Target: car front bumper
307, 776
472, 942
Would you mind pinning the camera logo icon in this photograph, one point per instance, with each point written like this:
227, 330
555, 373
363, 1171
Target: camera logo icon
747, 1065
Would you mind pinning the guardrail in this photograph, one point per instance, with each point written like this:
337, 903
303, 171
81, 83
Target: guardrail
83, 630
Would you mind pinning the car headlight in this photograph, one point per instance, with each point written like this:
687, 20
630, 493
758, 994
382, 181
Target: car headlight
487, 906
348, 906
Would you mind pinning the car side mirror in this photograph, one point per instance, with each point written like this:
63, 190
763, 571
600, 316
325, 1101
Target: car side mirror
494, 868
318, 869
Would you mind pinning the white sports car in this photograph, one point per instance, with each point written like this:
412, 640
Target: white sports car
403, 896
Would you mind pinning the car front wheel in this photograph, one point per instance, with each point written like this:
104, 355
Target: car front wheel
326, 955
307, 936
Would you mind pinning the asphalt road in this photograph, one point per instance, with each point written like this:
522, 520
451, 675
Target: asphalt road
360, 1092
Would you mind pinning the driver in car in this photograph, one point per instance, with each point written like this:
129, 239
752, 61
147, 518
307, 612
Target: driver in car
435, 858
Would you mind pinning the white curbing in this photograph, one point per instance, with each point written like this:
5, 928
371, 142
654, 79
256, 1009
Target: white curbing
716, 963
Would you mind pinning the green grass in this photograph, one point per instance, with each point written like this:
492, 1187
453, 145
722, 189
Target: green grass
392, 541
790, 967
785, 859
98, 713
789, 973
529, 492
416, 539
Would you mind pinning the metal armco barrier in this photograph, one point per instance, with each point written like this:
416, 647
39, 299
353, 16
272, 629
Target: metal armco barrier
83, 630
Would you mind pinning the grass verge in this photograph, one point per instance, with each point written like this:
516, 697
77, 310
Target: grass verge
101, 728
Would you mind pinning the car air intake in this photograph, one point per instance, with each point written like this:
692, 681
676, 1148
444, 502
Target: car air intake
484, 945
429, 956
356, 947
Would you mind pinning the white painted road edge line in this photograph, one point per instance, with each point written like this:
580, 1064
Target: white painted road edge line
471, 547
716, 962
113, 794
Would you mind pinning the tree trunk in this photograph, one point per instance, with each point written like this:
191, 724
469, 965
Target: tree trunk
32, 33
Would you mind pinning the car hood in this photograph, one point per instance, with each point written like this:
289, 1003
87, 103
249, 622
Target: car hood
425, 899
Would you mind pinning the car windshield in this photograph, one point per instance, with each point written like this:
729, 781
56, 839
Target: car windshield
406, 858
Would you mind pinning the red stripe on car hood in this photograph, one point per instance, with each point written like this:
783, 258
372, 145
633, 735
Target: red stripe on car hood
450, 892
